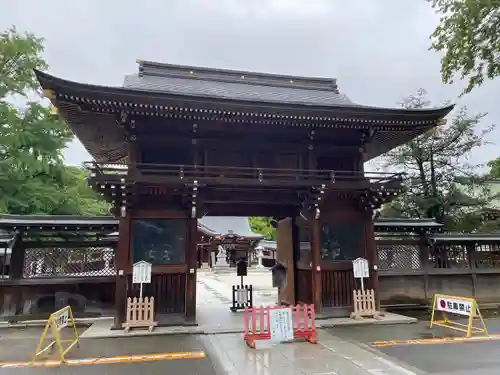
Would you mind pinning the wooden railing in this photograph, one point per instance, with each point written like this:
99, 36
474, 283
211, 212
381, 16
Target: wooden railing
185, 173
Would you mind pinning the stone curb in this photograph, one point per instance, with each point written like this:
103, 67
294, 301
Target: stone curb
196, 331
358, 323
222, 331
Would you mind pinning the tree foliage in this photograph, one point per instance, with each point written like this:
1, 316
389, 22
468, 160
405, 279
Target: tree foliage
468, 36
33, 177
494, 166
441, 183
262, 225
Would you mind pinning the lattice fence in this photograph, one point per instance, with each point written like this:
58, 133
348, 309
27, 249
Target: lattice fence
70, 262
397, 256
487, 256
449, 256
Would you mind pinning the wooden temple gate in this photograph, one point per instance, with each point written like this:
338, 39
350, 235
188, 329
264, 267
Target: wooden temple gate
177, 143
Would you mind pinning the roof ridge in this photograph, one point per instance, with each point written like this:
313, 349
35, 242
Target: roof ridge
150, 68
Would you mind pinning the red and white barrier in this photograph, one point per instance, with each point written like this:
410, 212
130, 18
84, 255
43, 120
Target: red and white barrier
257, 323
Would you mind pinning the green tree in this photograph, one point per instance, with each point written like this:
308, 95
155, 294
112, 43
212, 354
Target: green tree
33, 177
20, 53
262, 225
468, 36
494, 166
441, 183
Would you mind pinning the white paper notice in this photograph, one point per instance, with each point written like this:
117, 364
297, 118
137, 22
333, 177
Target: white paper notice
281, 325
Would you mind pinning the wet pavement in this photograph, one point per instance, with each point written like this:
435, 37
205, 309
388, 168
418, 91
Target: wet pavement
19, 345
343, 350
331, 356
474, 358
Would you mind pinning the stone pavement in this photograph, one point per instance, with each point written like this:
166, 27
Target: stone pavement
214, 296
331, 356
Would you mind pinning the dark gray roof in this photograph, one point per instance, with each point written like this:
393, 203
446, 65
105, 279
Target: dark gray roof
401, 222
11, 222
228, 84
224, 225
466, 237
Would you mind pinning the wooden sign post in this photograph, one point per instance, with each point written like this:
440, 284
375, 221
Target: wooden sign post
361, 271
363, 300
141, 274
140, 311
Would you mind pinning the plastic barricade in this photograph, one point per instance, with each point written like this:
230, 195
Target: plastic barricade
58, 321
466, 308
258, 325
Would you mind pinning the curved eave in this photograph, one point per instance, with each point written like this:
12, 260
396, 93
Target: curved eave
130, 97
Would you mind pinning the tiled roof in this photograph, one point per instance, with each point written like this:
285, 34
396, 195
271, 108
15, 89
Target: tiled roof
224, 225
226, 84
466, 237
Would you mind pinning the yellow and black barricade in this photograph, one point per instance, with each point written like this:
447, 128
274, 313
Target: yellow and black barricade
57, 322
457, 306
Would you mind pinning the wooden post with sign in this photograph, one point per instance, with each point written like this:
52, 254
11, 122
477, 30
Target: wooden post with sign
57, 321
465, 307
364, 301
140, 311
141, 274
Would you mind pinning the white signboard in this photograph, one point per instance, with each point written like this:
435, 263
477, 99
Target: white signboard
141, 273
454, 305
360, 268
61, 318
281, 325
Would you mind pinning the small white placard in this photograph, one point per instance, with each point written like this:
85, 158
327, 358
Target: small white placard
61, 318
360, 268
141, 273
281, 325
454, 305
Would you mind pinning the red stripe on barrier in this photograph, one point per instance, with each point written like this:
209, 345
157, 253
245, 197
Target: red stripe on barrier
303, 319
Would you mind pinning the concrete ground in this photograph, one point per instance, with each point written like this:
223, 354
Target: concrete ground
19, 345
473, 358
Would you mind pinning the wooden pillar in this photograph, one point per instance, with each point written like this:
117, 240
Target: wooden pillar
17, 257
191, 260
122, 256
295, 256
371, 256
424, 262
315, 262
16, 270
123, 249
471, 257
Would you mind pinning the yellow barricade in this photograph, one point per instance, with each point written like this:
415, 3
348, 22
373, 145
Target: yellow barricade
57, 321
461, 306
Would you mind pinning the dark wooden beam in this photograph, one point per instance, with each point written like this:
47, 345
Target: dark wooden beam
285, 197
315, 240
249, 210
242, 143
122, 265
192, 260
222, 180
214, 127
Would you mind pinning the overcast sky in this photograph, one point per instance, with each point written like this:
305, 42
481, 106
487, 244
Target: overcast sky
377, 49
